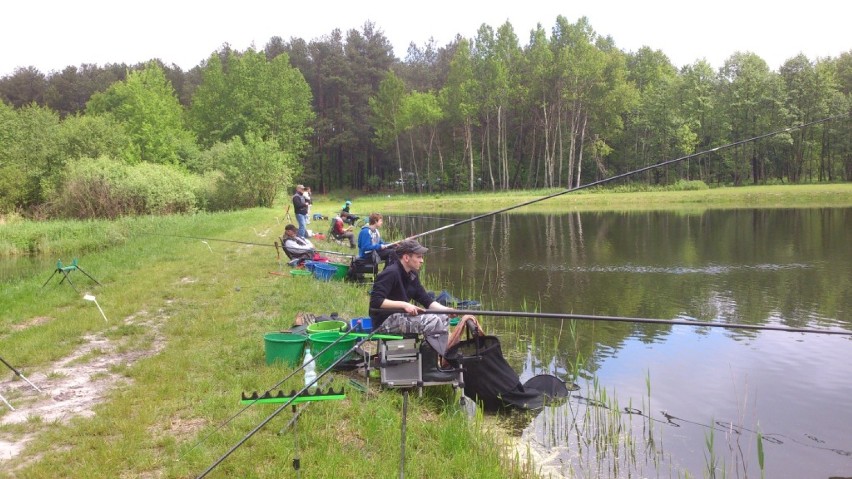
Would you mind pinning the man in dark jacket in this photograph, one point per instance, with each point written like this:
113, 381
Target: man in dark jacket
395, 286
300, 207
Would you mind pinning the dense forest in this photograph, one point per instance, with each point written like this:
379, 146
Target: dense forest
343, 113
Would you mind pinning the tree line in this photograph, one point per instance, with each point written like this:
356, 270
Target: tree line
341, 112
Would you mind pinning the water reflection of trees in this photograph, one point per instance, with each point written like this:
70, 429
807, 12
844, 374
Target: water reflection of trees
743, 266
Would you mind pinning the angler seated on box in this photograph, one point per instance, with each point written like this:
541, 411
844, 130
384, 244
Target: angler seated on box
296, 248
393, 289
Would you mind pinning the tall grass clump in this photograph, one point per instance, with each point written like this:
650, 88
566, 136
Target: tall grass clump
107, 188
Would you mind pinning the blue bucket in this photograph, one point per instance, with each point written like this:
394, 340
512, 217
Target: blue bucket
324, 272
362, 325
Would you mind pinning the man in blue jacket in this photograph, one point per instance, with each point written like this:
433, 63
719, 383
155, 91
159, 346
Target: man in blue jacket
370, 239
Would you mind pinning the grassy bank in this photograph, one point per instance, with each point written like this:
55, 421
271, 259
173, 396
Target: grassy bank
793, 196
183, 340
184, 334
25, 237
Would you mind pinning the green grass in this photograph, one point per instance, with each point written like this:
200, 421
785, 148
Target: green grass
838, 195
209, 311
203, 309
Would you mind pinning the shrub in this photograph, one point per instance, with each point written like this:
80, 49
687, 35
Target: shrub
689, 185
106, 188
253, 173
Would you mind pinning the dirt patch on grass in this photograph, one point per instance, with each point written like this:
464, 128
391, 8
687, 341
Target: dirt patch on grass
183, 428
75, 384
31, 322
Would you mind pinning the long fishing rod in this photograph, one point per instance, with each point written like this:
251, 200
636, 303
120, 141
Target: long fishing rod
285, 404
588, 317
625, 175
239, 242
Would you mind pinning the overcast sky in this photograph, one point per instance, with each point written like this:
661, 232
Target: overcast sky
53, 34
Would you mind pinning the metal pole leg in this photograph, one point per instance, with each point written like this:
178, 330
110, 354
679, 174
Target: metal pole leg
297, 466
51, 277
19, 374
90, 276
7, 402
402, 438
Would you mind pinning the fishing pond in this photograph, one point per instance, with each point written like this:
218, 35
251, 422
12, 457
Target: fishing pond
667, 400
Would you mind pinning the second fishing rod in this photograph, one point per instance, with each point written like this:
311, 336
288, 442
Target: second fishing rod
624, 319
376, 333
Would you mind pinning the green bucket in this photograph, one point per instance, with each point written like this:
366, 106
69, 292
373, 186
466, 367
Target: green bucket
342, 269
320, 341
325, 326
284, 347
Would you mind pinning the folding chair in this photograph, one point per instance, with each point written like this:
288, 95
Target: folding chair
293, 260
340, 240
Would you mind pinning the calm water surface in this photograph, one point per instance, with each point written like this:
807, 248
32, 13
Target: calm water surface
768, 267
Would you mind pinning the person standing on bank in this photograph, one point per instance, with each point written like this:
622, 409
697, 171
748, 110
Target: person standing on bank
307, 196
300, 207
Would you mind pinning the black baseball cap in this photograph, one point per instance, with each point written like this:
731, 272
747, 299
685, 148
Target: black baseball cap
410, 246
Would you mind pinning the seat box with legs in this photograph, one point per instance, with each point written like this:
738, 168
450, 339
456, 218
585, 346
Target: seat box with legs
399, 363
360, 268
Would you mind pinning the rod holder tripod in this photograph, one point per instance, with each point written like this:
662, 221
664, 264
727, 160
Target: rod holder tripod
66, 271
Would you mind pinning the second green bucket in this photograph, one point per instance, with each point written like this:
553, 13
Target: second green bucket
320, 341
325, 326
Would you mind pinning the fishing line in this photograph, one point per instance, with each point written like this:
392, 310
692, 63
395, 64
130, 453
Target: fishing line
283, 406
396, 215
627, 174
587, 317
239, 242
717, 425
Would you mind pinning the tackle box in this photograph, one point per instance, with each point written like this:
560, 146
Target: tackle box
400, 363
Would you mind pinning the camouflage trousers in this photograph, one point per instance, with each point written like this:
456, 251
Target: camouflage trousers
434, 327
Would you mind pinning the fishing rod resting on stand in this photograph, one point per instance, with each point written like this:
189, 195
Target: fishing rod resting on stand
588, 317
274, 245
268, 391
291, 400
20, 375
